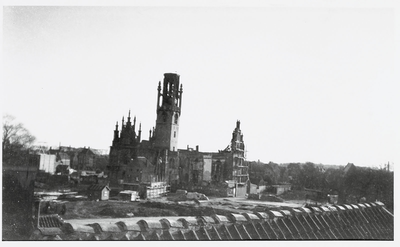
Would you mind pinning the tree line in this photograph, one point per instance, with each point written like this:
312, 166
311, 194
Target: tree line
352, 184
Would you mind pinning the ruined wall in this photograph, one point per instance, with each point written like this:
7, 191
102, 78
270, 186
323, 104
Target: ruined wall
18, 198
207, 160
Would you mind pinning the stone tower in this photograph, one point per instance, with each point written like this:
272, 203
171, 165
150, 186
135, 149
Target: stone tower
169, 103
240, 168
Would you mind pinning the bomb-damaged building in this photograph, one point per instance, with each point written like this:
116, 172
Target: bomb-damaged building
158, 161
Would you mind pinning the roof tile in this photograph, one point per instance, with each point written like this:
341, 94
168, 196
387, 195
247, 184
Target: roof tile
373, 221
237, 217
306, 210
213, 232
243, 232
207, 219
252, 231
202, 233
189, 221
166, 235
274, 214
223, 232
146, 225
220, 218
251, 217
341, 207
171, 223
262, 215
178, 235
347, 206
191, 235
128, 226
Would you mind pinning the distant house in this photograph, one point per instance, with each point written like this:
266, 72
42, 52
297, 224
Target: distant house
62, 158
279, 189
252, 188
99, 192
349, 168
62, 162
128, 195
256, 186
261, 186
86, 159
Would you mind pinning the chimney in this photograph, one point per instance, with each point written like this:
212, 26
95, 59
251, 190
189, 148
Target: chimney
197, 148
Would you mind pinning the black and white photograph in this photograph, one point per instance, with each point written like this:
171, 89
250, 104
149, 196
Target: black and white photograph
202, 120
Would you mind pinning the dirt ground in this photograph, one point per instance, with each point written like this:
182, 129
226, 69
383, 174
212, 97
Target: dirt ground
121, 209
166, 207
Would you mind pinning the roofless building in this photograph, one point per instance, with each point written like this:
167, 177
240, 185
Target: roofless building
158, 159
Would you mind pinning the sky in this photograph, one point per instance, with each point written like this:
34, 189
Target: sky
308, 82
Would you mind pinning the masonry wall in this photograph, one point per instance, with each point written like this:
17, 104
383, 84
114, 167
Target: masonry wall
18, 199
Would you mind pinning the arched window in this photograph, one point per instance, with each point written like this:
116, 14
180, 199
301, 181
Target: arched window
167, 88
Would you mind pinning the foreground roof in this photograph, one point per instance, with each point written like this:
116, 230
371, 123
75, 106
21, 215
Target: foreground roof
361, 221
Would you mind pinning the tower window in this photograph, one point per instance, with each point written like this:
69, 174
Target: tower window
174, 133
176, 118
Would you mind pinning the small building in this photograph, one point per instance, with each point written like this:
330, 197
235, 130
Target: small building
99, 192
148, 190
315, 196
155, 189
128, 195
279, 189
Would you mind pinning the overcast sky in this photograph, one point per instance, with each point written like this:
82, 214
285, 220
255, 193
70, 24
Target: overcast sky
307, 83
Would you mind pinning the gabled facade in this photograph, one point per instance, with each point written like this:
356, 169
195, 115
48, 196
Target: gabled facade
98, 192
86, 159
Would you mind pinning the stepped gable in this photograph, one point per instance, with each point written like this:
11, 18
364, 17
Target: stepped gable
363, 221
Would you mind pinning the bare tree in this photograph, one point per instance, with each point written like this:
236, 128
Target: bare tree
15, 134
17, 141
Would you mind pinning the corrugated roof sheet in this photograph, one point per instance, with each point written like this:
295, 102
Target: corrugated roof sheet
329, 222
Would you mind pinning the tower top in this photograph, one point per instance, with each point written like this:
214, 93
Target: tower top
169, 102
238, 124
171, 74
